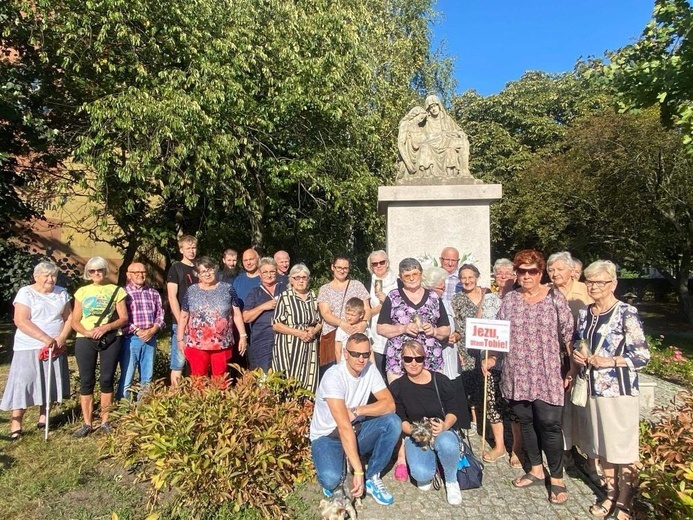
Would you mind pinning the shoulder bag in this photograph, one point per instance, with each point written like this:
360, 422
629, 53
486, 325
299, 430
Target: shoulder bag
107, 339
326, 354
470, 470
565, 355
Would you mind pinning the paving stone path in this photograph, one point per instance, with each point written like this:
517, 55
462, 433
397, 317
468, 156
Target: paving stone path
498, 498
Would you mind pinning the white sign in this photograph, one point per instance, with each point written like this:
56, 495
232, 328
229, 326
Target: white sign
488, 334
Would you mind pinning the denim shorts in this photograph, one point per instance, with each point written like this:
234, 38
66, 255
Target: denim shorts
177, 357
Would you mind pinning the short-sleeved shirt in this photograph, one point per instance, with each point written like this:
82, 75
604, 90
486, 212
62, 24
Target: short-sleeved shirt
338, 383
183, 275
94, 299
211, 316
337, 299
46, 312
243, 284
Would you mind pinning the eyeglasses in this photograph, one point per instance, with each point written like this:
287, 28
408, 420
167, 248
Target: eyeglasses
362, 355
410, 277
95, 271
205, 273
597, 283
533, 271
338, 268
409, 359
378, 264
450, 260
137, 272
267, 273
300, 278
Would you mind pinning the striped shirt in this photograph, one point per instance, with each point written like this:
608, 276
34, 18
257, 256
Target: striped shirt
144, 308
451, 288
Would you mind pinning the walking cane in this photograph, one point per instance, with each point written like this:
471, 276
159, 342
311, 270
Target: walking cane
48, 391
483, 410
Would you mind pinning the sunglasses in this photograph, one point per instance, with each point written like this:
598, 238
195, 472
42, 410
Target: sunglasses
94, 271
532, 271
378, 264
410, 277
363, 355
409, 359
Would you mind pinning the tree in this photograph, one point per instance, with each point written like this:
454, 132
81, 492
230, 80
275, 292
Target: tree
243, 119
657, 70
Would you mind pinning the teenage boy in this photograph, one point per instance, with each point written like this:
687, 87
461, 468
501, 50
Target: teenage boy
354, 311
181, 276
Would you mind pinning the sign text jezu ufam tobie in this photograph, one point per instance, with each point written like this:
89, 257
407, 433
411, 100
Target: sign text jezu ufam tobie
488, 334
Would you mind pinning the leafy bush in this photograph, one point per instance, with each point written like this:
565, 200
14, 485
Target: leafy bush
669, 363
665, 490
244, 446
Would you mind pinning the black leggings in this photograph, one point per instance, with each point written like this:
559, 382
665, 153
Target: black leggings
86, 363
541, 430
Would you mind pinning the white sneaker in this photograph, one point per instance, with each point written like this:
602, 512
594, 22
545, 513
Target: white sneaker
424, 487
454, 493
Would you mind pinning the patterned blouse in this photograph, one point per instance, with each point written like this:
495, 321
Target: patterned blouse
211, 316
532, 367
399, 310
623, 336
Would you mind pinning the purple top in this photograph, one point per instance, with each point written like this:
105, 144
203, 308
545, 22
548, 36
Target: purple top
532, 367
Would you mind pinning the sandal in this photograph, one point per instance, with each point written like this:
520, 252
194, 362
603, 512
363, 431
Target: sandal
533, 481
489, 457
600, 510
621, 513
555, 491
16, 435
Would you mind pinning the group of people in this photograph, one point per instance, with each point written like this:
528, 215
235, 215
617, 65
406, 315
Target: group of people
400, 350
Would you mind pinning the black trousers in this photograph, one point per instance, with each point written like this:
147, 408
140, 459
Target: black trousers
541, 425
86, 363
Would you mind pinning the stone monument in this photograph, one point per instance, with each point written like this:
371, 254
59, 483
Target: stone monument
436, 202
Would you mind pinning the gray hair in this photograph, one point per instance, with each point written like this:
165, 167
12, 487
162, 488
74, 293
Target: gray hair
577, 262
206, 262
299, 268
563, 256
95, 262
432, 276
601, 266
378, 252
502, 263
45, 267
409, 264
267, 260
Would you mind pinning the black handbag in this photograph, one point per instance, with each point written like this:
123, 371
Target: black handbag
470, 470
109, 338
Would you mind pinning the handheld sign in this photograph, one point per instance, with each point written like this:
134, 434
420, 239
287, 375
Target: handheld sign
488, 334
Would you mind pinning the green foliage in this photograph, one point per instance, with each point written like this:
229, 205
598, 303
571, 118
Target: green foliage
668, 362
665, 489
657, 70
245, 445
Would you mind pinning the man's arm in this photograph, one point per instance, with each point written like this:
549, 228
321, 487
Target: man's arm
172, 290
343, 418
384, 404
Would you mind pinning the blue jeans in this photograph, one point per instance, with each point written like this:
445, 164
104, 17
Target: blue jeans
135, 354
378, 436
422, 463
177, 357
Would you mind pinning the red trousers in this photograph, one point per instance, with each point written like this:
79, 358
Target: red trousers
202, 360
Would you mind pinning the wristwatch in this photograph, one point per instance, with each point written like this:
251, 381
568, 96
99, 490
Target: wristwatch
353, 410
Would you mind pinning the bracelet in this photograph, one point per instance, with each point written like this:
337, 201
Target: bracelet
615, 362
358, 473
244, 335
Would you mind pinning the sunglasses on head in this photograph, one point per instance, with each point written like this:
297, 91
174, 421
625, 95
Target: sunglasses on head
364, 355
533, 271
409, 359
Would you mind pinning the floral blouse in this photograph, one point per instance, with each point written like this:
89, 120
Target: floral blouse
397, 309
210, 326
623, 335
532, 367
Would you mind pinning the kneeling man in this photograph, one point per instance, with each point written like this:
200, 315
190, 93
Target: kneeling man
344, 424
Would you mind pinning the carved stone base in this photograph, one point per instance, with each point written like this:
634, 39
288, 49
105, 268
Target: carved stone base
423, 219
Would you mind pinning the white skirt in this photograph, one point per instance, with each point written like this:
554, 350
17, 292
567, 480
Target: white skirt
615, 428
26, 383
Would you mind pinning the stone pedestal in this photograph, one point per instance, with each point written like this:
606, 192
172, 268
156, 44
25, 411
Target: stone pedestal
423, 219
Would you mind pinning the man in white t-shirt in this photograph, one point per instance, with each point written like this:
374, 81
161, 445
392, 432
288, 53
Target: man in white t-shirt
345, 424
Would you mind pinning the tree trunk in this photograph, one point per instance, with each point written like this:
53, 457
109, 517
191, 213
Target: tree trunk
685, 300
128, 257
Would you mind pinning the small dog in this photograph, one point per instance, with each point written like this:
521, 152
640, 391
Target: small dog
340, 506
422, 433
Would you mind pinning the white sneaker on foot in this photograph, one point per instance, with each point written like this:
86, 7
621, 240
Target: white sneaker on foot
424, 487
454, 493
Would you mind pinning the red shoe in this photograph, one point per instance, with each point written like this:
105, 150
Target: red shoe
401, 472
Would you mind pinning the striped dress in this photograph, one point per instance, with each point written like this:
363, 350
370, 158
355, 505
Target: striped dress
291, 355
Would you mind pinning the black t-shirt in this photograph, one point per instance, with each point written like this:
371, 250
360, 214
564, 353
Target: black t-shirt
183, 276
415, 401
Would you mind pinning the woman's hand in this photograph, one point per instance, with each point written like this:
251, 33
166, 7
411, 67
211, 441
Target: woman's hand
304, 335
454, 337
98, 332
428, 329
578, 358
601, 361
270, 305
242, 344
487, 365
381, 296
437, 426
411, 329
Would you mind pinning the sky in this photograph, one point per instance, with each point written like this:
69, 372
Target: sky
495, 42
